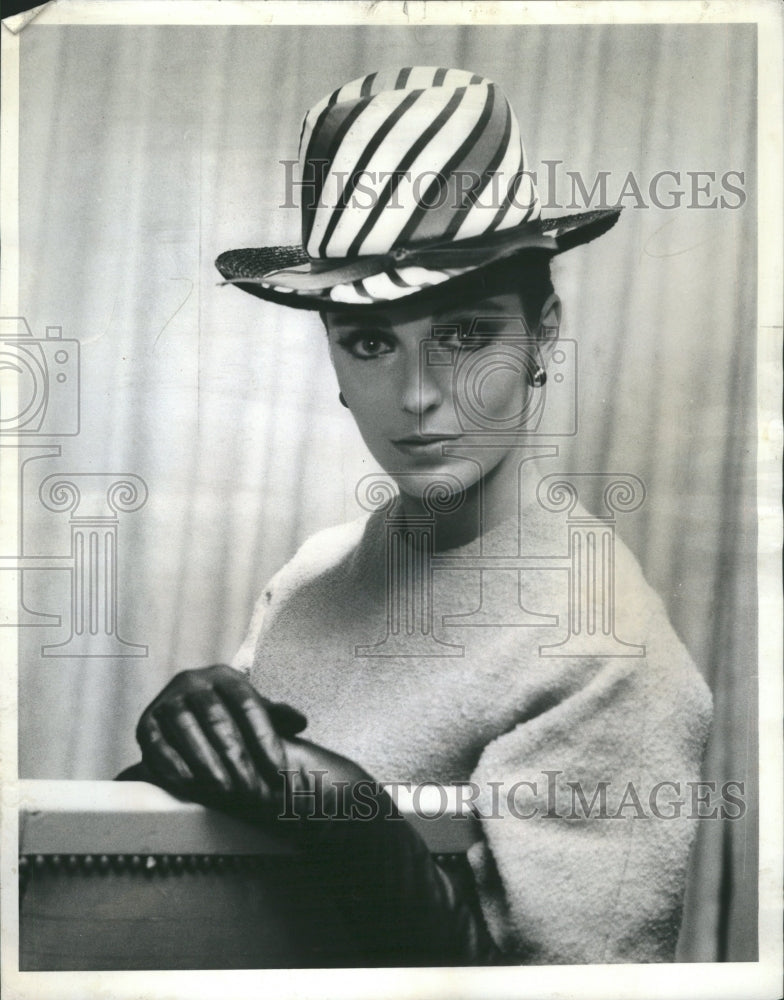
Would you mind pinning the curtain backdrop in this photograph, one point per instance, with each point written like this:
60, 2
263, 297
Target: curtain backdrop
146, 151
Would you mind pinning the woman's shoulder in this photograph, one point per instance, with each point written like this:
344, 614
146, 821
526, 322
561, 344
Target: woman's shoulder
318, 555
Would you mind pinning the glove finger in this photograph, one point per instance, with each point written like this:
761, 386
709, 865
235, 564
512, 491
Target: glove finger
182, 729
159, 755
287, 720
248, 708
233, 686
225, 736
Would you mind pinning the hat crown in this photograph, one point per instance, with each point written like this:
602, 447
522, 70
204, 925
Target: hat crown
410, 178
410, 157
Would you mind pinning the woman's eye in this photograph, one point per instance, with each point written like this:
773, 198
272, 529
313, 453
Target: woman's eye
367, 346
466, 341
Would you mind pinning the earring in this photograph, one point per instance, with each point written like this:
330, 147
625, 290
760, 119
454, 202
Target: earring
538, 379
342, 399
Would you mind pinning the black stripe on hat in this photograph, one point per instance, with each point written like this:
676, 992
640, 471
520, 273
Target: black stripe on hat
438, 79
511, 191
319, 121
302, 132
367, 83
435, 126
471, 197
505, 204
333, 97
402, 78
463, 150
328, 155
395, 278
362, 162
360, 289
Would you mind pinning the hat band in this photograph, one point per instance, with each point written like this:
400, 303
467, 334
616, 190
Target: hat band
549, 235
325, 272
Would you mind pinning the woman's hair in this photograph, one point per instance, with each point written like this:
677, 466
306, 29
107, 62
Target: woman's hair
527, 273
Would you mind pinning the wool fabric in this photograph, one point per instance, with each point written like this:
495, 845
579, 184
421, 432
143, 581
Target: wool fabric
559, 883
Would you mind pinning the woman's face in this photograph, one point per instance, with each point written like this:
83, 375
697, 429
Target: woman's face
423, 385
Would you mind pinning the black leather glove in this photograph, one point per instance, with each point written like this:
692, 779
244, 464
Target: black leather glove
210, 737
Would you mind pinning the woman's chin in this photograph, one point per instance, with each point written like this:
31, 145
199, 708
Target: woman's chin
456, 472
437, 484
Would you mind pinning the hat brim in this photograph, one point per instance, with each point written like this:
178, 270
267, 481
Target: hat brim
285, 274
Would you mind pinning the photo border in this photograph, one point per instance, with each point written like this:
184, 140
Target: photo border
751, 980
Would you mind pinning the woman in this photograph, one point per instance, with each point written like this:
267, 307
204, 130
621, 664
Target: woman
433, 641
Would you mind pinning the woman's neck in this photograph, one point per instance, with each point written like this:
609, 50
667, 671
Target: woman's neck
494, 499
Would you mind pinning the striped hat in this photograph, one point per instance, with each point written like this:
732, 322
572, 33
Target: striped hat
407, 179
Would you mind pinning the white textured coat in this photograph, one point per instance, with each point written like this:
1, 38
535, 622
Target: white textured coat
553, 889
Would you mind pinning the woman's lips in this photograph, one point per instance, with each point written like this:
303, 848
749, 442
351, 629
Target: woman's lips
429, 445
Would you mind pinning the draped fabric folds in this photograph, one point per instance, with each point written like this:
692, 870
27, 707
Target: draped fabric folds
147, 151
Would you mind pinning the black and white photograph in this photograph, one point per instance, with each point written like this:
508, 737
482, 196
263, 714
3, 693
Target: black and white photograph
390, 440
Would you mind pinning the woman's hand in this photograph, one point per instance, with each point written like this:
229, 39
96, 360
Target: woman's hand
209, 735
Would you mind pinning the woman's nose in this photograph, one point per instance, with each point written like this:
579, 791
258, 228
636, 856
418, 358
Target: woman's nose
421, 390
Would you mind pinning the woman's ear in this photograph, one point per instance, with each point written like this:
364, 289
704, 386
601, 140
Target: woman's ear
549, 327
324, 316
549, 321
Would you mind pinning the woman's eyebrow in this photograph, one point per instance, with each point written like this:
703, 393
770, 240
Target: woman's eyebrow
351, 324
491, 309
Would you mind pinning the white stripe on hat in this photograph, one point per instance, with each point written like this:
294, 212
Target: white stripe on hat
307, 126
383, 81
352, 89
380, 287
401, 137
521, 207
386, 79
423, 276
431, 160
481, 214
421, 76
355, 142
525, 205
459, 78
506, 182
348, 294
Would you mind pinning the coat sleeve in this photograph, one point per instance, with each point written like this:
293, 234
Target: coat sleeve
586, 862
